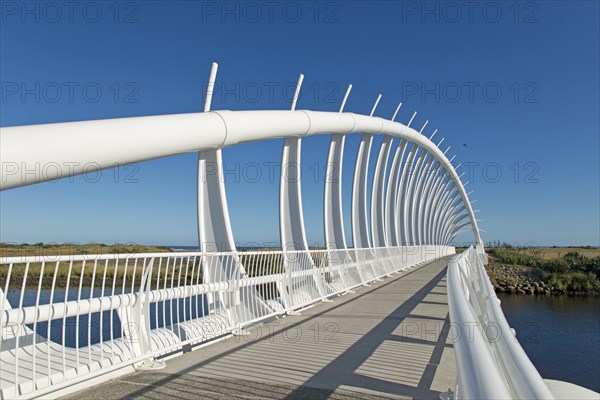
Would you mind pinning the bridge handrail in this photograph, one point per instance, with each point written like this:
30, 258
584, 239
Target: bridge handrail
491, 363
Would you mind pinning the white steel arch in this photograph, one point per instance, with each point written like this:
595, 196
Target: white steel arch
102, 144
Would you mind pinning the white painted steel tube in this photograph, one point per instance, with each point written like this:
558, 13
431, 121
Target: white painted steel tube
54, 151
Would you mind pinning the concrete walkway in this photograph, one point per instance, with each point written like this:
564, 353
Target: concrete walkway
384, 341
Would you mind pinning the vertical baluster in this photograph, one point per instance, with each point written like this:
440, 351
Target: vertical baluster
236, 275
260, 266
89, 328
64, 320
261, 271
193, 288
4, 301
201, 280
19, 327
270, 267
164, 302
157, 302
178, 294
135, 264
250, 289
185, 290
172, 291
199, 310
202, 270
249, 312
215, 276
241, 312
144, 328
199, 293
253, 288
325, 273
233, 287
77, 317
275, 260
278, 266
51, 304
103, 288
226, 276
258, 273
35, 323
112, 296
122, 298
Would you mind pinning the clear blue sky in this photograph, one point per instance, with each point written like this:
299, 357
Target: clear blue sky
518, 83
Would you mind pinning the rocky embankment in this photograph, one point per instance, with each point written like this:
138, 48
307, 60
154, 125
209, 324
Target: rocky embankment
523, 280
507, 279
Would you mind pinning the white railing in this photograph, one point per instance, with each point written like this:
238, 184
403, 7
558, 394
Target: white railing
66, 319
491, 364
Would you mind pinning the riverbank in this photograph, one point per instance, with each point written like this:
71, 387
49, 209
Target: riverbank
58, 274
545, 271
66, 249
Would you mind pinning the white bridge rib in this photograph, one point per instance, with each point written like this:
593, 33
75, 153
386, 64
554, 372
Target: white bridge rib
102, 144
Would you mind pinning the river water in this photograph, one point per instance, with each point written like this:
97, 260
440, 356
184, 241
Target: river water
561, 335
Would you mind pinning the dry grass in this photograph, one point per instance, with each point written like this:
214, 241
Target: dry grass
49, 250
125, 273
549, 253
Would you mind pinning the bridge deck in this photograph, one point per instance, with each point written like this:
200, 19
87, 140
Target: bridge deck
383, 341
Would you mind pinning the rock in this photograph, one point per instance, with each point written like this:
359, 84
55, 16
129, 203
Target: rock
520, 291
536, 284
